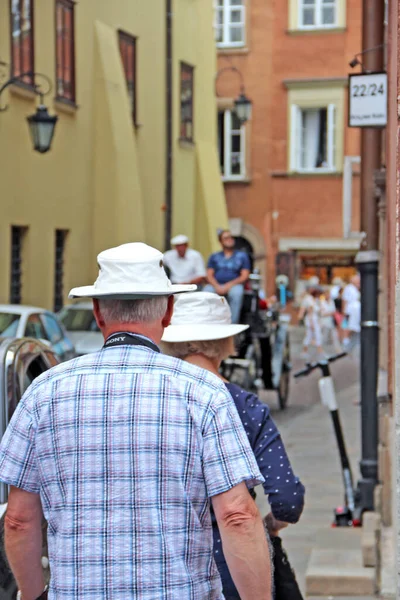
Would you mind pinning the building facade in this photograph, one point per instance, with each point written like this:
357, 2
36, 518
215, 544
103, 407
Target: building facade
291, 174
103, 182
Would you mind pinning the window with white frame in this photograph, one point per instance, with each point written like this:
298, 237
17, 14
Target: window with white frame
313, 139
315, 14
231, 140
230, 26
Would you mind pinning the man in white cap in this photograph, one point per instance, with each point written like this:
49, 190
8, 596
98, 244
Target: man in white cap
122, 451
185, 264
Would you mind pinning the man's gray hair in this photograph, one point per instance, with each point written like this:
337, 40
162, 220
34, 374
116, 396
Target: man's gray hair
133, 311
212, 349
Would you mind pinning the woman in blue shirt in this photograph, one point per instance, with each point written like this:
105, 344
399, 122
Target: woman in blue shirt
201, 333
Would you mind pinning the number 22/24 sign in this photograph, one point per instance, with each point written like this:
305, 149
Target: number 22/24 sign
368, 100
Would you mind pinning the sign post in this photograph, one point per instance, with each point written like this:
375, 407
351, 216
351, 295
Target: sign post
368, 100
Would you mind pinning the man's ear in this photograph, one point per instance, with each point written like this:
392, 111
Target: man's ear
169, 312
97, 314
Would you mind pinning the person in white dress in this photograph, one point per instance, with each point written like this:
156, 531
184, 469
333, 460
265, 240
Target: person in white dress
351, 309
328, 325
310, 311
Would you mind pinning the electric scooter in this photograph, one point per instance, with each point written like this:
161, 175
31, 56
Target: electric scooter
347, 515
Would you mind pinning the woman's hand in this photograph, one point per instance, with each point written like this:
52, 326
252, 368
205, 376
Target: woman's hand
273, 525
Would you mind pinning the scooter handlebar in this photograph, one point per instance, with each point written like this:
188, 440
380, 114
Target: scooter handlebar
315, 365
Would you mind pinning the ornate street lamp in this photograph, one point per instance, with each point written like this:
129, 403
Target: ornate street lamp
243, 104
243, 107
41, 124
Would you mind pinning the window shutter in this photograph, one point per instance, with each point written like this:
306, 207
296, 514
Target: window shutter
295, 138
332, 136
228, 143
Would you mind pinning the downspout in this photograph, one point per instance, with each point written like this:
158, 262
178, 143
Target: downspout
169, 129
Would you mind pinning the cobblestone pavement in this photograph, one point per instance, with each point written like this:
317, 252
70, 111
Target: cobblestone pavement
307, 431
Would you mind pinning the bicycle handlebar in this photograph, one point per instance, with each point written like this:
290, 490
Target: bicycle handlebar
315, 365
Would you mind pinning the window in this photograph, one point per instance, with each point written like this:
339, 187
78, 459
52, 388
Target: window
230, 24
60, 237
53, 331
314, 134
65, 50
34, 328
127, 47
22, 60
17, 236
231, 139
187, 84
318, 13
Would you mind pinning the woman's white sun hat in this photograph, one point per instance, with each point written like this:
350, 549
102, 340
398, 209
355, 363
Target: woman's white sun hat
199, 317
130, 271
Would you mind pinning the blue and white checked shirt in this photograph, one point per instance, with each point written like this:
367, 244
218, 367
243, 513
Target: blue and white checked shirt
125, 447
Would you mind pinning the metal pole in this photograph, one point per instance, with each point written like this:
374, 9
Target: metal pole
169, 127
368, 263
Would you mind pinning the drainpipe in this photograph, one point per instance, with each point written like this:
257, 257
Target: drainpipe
169, 128
349, 161
368, 264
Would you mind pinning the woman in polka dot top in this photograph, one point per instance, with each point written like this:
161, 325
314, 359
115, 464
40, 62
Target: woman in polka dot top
201, 333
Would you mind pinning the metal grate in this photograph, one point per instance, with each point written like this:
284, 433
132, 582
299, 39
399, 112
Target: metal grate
61, 235
17, 234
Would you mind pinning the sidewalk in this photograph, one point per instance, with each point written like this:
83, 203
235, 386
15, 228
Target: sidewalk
311, 445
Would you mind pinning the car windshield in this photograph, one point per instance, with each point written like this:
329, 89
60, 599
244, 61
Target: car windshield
9, 324
78, 319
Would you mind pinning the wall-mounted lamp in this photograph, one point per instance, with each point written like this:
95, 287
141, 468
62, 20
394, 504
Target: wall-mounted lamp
356, 61
41, 124
243, 105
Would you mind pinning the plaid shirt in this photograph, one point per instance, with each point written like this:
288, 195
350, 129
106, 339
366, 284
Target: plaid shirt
125, 447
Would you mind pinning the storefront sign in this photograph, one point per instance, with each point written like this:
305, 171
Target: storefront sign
327, 261
368, 100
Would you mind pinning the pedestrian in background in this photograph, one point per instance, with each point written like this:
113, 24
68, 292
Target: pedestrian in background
123, 450
310, 312
350, 300
201, 333
328, 322
227, 272
185, 264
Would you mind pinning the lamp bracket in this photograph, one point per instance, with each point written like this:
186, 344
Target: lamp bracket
36, 88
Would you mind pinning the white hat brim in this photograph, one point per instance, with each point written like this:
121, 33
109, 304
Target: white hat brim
90, 291
201, 333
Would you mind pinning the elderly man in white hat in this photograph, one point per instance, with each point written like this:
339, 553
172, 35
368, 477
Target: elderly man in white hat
123, 451
185, 264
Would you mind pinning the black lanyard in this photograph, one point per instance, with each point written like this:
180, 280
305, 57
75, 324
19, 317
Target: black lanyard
124, 338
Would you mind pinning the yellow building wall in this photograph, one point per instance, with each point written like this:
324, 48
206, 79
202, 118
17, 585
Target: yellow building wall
104, 179
199, 207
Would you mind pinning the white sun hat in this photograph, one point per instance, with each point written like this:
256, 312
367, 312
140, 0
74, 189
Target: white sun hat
201, 316
179, 239
130, 271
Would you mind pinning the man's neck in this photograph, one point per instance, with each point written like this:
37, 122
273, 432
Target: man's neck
153, 331
228, 251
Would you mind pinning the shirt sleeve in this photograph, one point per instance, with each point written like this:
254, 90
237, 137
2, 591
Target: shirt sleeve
284, 490
245, 261
211, 262
18, 464
227, 457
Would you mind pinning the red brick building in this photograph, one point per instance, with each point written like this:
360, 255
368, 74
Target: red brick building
291, 172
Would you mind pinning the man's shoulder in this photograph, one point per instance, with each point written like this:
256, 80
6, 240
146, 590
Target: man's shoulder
169, 254
193, 253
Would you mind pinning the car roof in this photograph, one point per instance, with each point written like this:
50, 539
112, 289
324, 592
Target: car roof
21, 309
79, 305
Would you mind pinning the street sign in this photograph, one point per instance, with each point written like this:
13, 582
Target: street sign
368, 100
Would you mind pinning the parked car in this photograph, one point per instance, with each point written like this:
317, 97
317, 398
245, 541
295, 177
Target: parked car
21, 361
29, 321
78, 319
